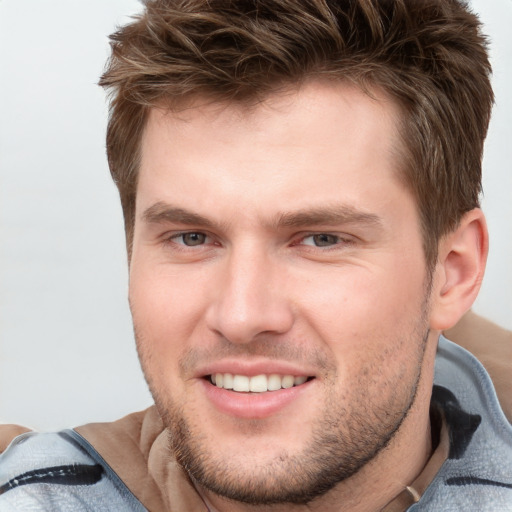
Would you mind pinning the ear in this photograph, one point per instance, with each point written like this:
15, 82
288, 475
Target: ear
459, 271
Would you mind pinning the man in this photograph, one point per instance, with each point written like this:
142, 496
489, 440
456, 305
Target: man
300, 187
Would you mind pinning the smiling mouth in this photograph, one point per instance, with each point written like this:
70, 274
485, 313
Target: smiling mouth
256, 384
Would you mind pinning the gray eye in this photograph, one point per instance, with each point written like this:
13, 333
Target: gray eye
323, 240
191, 239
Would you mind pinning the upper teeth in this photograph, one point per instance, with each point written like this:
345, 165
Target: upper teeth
256, 384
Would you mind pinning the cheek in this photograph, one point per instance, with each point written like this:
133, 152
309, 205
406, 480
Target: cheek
166, 309
355, 310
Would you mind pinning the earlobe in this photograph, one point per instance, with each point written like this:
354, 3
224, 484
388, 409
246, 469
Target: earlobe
459, 270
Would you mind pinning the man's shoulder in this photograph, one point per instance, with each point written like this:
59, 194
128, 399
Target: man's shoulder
476, 472
130, 456
99, 464
492, 346
59, 471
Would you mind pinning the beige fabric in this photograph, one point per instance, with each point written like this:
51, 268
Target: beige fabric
8, 433
136, 446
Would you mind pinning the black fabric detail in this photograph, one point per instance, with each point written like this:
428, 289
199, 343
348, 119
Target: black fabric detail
461, 424
75, 474
436, 423
474, 480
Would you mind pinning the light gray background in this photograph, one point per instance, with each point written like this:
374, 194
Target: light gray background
66, 346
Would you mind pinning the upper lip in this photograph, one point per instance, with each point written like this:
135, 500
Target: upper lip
253, 368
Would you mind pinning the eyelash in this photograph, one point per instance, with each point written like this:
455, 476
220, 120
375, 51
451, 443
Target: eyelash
340, 241
182, 246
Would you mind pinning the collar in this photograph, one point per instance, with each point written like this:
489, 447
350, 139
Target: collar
413, 492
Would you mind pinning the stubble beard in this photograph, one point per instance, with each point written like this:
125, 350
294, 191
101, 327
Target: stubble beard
344, 440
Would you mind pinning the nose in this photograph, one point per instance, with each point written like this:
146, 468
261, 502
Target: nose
251, 298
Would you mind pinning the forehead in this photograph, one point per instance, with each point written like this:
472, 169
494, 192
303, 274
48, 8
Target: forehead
299, 141
299, 106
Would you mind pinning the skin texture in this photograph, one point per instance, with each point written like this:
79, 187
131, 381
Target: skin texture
228, 272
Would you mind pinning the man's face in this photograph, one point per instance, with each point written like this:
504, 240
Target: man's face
275, 246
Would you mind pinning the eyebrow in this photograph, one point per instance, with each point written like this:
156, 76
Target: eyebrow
330, 215
162, 212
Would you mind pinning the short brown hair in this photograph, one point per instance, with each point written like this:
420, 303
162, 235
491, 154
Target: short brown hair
429, 55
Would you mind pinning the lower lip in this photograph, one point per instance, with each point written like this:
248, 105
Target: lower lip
253, 405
